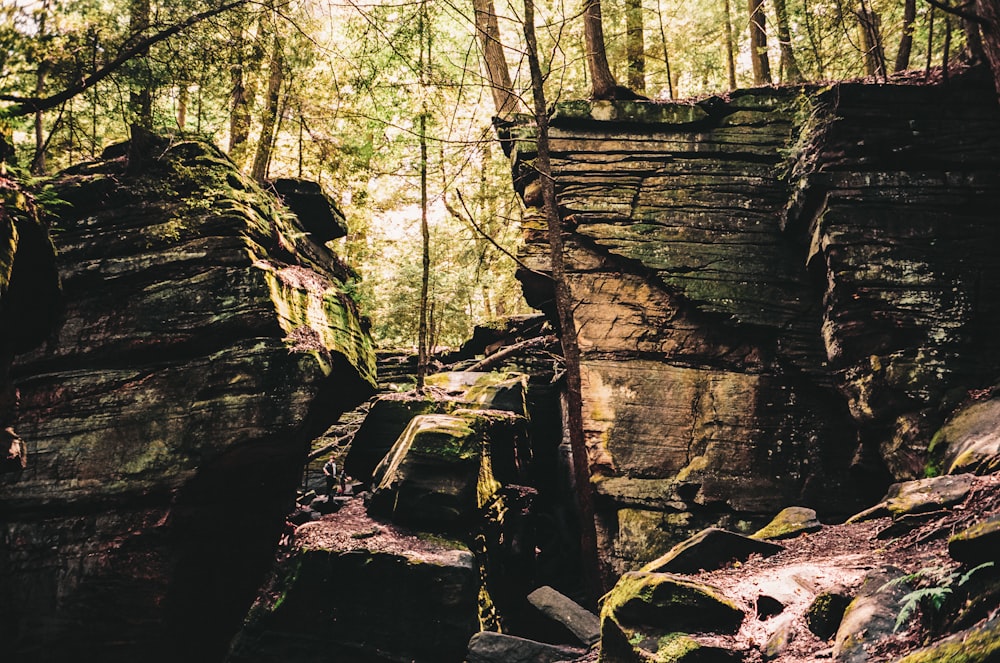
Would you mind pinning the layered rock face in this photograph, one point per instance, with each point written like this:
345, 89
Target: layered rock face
205, 339
774, 294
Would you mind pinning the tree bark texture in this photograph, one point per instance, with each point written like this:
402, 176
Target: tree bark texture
906, 41
871, 40
758, 44
730, 47
790, 72
989, 12
635, 47
571, 349
497, 72
602, 82
141, 96
275, 77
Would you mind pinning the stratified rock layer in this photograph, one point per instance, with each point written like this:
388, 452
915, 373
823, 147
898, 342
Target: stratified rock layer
768, 290
205, 339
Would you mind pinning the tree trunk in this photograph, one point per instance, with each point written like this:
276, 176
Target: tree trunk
602, 82
635, 47
790, 72
141, 96
182, 105
423, 358
906, 41
497, 72
239, 115
276, 74
730, 48
666, 51
871, 40
813, 42
930, 40
758, 44
989, 12
38, 160
571, 350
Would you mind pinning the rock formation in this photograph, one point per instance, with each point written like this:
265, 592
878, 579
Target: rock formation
776, 294
205, 339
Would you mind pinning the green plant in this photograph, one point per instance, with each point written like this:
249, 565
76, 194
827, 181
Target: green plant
938, 585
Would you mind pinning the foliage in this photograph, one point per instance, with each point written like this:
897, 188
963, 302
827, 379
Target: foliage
935, 585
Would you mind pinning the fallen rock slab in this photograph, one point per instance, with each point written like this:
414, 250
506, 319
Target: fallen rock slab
710, 549
978, 544
789, 523
976, 645
970, 440
870, 617
583, 624
489, 647
920, 496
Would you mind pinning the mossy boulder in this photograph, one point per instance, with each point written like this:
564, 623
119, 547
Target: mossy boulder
710, 549
920, 496
870, 617
970, 440
661, 602
439, 471
489, 647
976, 645
977, 544
789, 523
824, 614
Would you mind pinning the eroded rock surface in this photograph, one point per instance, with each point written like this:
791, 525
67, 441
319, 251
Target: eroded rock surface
204, 340
776, 295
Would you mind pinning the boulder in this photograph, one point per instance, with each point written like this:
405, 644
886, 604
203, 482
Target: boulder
439, 472
365, 589
667, 648
970, 440
980, 644
916, 497
642, 608
204, 341
708, 550
789, 523
583, 624
870, 617
824, 614
316, 211
978, 544
780, 639
488, 647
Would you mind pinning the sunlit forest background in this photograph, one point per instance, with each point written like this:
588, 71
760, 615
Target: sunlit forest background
346, 93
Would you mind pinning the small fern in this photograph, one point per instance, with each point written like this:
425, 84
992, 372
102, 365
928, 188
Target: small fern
932, 598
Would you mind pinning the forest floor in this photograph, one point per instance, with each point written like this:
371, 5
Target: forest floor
842, 555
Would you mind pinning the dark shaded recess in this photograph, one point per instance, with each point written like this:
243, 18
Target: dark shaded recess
226, 522
316, 211
30, 306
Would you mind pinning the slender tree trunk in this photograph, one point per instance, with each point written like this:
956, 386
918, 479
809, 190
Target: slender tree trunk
730, 47
38, 160
973, 41
790, 72
602, 82
666, 51
813, 42
425, 234
758, 44
571, 350
906, 41
930, 40
871, 40
141, 96
182, 105
946, 55
635, 47
276, 74
497, 72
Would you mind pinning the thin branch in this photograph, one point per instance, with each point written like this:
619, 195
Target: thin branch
28, 105
472, 221
961, 12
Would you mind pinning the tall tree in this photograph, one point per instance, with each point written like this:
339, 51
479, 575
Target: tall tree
276, 75
567, 335
906, 38
423, 331
871, 39
730, 48
497, 72
758, 44
602, 81
141, 95
635, 47
790, 72
988, 15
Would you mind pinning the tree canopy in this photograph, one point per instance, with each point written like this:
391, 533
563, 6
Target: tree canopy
370, 98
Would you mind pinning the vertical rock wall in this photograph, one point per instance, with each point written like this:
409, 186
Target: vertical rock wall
205, 338
775, 294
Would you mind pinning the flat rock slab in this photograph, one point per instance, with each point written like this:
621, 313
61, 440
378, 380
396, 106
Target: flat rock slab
921, 496
582, 623
976, 645
978, 544
971, 439
870, 617
789, 523
488, 647
710, 549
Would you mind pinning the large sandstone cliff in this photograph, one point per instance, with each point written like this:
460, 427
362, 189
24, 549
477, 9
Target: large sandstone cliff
204, 339
779, 296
